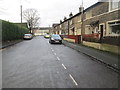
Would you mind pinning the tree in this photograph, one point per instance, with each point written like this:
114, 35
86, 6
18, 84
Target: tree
32, 18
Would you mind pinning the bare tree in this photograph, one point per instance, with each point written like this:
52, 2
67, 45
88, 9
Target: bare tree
32, 18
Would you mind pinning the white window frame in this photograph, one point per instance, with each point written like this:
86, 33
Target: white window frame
108, 27
110, 6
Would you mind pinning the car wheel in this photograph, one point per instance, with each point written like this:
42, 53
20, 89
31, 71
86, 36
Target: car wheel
50, 42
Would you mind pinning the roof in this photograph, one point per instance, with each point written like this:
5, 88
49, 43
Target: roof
94, 5
56, 24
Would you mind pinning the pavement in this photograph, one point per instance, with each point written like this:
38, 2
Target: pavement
38, 64
109, 59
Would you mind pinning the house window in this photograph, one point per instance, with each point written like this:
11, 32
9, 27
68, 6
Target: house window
114, 4
114, 28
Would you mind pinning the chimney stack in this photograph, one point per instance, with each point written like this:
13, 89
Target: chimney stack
81, 8
70, 15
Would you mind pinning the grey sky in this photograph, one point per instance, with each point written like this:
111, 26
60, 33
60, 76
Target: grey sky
51, 11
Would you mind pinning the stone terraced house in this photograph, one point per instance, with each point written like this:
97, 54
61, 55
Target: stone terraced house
99, 23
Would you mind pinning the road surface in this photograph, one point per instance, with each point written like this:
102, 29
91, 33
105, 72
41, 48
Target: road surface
37, 64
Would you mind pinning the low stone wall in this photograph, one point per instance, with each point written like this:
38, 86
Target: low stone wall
104, 47
113, 40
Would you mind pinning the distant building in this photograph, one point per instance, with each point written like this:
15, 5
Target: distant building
41, 30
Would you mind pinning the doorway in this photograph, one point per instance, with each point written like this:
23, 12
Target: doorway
101, 32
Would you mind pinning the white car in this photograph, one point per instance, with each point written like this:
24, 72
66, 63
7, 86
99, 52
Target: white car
28, 36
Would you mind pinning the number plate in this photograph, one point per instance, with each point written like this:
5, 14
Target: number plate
56, 41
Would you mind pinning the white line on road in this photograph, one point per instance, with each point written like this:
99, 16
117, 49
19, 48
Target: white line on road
53, 50
58, 58
73, 79
64, 66
55, 53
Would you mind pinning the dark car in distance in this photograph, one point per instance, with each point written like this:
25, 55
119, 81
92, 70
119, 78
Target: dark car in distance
55, 39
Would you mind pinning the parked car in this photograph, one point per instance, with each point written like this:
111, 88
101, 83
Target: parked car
55, 39
28, 36
46, 36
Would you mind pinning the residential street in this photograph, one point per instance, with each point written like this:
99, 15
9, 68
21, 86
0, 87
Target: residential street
37, 64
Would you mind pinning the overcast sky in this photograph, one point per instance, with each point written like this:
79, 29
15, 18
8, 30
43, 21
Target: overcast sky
51, 11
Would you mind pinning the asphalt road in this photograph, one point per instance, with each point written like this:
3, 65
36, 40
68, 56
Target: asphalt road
37, 64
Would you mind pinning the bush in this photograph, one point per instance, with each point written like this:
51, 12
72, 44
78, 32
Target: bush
11, 31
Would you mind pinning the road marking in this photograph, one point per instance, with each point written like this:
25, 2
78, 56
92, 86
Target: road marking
53, 50
57, 72
73, 79
55, 53
58, 58
64, 66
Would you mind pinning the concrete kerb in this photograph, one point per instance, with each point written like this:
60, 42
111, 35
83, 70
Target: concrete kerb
11, 44
73, 46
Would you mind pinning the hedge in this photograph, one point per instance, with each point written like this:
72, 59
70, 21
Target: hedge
10, 31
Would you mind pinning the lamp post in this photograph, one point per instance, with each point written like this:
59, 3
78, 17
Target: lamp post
82, 13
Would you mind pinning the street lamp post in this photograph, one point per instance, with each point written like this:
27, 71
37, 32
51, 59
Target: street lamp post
82, 13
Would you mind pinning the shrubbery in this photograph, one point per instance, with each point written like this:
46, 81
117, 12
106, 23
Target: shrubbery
10, 31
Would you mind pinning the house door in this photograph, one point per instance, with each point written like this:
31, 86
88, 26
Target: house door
101, 31
73, 31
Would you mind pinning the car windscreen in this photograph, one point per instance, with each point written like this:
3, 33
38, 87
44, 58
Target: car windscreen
56, 37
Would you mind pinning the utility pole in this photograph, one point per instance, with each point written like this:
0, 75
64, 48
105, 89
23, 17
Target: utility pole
21, 13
